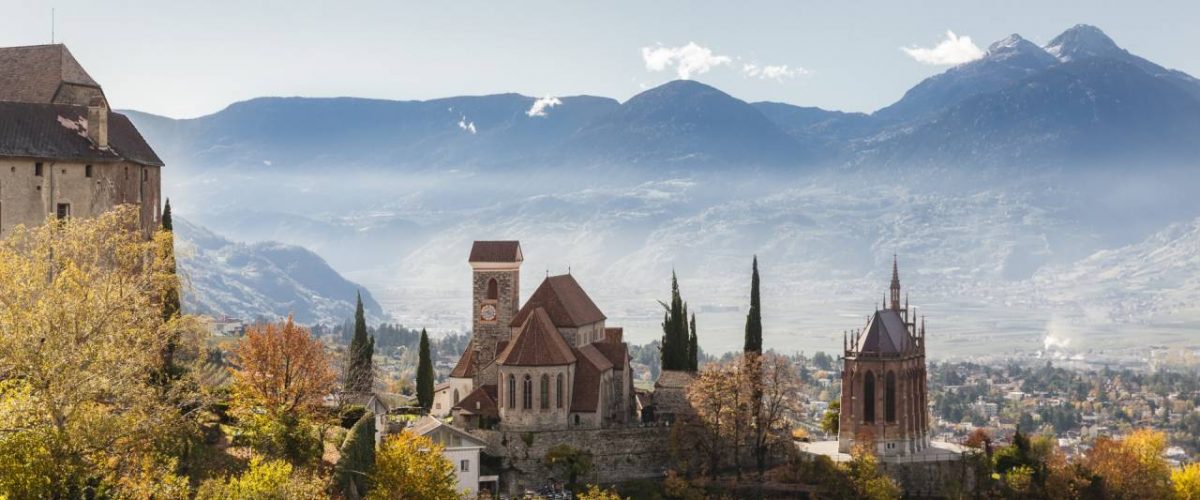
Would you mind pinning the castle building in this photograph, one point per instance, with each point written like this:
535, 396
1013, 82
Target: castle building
550, 364
63, 152
883, 382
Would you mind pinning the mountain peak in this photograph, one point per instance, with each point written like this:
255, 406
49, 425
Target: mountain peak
1013, 45
1082, 41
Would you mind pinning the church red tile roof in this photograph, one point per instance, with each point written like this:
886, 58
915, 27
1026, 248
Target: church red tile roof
564, 301
44, 74
466, 364
613, 352
585, 397
614, 334
481, 401
537, 343
495, 251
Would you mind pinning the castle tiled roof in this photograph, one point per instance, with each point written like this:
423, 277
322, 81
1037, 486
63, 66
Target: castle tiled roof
481, 401
496, 251
59, 132
537, 343
885, 333
564, 301
44, 74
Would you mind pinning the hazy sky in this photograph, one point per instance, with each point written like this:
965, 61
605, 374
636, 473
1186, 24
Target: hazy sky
185, 59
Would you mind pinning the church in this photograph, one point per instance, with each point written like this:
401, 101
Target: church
550, 364
883, 382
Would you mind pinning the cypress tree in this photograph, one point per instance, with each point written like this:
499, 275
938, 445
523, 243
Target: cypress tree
360, 376
166, 216
694, 348
754, 317
170, 300
358, 457
675, 335
425, 374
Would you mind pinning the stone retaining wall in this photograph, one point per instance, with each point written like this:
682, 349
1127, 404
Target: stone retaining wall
618, 454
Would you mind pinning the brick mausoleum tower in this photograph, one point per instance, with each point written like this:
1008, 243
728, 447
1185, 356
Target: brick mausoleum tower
883, 382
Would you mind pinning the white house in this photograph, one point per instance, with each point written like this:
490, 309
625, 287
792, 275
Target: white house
462, 450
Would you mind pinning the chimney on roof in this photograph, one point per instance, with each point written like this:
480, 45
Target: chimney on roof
98, 122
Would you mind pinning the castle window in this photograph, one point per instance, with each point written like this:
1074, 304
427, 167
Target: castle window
493, 289
889, 397
527, 393
869, 398
558, 391
145, 174
544, 401
64, 210
512, 392
576, 419
456, 396
37, 169
87, 170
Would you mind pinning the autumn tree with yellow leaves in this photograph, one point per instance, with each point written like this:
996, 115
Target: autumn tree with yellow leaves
411, 467
81, 340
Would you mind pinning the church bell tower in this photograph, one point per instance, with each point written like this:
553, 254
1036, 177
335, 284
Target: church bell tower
496, 287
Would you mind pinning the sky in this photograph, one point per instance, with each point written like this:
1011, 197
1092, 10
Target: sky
187, 59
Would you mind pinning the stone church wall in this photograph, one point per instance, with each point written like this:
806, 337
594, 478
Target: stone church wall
618, 454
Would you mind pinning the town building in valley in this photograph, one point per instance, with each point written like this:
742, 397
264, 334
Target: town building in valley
63, 151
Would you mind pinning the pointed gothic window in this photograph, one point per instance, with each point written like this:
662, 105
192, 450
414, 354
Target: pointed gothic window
527, 393
493, 289
869, 398
558, 391
544, 400
512, 392
889, 397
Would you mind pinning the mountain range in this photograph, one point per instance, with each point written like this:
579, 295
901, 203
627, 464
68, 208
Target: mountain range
1081, 99
265, 280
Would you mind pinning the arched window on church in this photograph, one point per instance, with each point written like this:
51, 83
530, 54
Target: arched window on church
512, 392
527, 395
889, 397
493, 290
558, 391
456, 396
869, 398
544, 400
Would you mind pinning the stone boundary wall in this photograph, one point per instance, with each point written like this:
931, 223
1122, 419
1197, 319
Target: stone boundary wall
931, 479
618, 454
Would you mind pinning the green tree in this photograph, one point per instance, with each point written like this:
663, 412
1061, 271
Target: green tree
353, 469
693, 347
675, 331
572, 463
170, 300
360, 374
425, 374
754, 317
831, 421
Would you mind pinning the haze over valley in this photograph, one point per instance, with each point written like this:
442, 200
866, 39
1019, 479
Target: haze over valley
1036, 197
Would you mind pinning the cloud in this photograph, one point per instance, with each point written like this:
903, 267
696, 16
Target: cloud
951, 51
772, 72
466, 125
541, 105
687, 60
